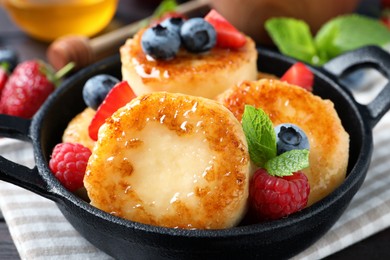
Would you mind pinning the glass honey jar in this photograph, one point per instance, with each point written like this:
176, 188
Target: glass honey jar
47, 20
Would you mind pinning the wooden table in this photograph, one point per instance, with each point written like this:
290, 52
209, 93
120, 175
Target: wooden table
374, 247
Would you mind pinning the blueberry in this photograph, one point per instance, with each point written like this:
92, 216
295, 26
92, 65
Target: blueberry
290, 137
173, 23
198, 35
160, 42
10, 57
96, 88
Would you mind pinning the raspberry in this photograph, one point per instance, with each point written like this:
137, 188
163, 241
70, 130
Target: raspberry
68, 163
275, 197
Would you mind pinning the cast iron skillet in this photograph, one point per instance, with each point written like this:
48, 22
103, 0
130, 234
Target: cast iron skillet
124, 239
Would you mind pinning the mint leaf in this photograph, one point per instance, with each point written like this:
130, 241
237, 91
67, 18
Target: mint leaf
293, 38
349, 32
341, 34
287, 163
260, 135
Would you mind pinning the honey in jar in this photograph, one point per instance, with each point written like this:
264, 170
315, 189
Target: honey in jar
47, 20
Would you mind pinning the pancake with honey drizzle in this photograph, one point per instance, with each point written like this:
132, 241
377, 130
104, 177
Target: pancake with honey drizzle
285, 103
171, 160
206, 74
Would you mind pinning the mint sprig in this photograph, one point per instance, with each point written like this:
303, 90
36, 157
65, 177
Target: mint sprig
261, 139
259, 134
293, 38
340, 34
288, 162
349, 32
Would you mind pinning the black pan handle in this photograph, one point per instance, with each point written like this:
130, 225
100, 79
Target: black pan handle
20, 175
366, 57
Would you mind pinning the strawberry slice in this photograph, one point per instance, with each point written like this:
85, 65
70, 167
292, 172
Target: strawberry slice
3, 77
227, 35
299, 74
118, 96
386, 21
385, 16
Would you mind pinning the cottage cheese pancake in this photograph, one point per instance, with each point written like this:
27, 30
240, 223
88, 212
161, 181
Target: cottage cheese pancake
285, 103
77, 129
207, 74
171, 160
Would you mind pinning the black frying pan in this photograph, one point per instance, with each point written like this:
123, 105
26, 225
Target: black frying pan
125, 239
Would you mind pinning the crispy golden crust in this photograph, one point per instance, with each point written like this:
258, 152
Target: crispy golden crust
207, 74
77, 129
171, 160
284, 103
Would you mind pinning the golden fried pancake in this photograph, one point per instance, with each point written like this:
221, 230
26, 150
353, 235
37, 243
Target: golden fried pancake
206, 75
285, 103
77, 129
171, 160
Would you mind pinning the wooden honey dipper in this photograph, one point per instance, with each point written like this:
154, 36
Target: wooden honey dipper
84, 51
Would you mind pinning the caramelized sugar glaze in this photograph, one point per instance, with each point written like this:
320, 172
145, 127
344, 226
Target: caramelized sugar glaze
171, 160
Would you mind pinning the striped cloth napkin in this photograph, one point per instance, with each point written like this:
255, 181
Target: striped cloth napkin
41, 232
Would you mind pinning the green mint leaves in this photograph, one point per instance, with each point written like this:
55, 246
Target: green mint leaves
344, 33
259, 134
350, 32
287, 163
261, 139
293, 38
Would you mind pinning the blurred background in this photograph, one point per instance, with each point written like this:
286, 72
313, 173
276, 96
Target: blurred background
43, 21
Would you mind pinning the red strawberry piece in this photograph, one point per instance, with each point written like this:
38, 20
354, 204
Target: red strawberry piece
386, 21
385, 16
3, 78
27, 88
275, 197
4, 75
227, 35
116, 98
68, 163
299, 74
